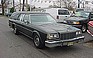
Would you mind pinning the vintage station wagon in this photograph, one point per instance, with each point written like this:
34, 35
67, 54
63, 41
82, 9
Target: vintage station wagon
44, 30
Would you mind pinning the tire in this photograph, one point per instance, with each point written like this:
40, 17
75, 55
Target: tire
38, 42
84, 28
16, 31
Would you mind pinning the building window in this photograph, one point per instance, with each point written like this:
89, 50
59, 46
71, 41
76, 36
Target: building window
41, 1
86, 2
49, 1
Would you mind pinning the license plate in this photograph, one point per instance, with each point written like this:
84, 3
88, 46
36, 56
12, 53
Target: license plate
70, 43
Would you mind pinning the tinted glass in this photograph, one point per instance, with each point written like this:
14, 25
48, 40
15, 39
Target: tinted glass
82, 14
14, 16
26, 17
92, 15
41, 19
63, 12
21, 17
77, 10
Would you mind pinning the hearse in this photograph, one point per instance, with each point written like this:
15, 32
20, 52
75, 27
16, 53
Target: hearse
44, 30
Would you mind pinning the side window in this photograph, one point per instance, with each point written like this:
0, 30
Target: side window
21, 17
91, 17
63, 12
14, 16
26, 18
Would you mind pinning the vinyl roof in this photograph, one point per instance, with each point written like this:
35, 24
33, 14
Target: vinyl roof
30, 12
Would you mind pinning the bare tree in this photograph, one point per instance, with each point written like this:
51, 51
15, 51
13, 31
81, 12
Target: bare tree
13, 4
23, 5
3, 6
20, 5
70, 4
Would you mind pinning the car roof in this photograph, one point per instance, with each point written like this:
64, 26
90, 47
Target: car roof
30, 12
86, 11
79, 8
51, 8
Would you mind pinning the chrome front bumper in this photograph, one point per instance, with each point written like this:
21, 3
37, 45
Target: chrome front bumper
49, 43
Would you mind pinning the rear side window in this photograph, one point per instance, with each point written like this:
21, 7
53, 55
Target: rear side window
14, 16
21, 17
26, 17
63, 12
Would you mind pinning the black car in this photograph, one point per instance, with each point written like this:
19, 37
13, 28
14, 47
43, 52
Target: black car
44, 30
79, 20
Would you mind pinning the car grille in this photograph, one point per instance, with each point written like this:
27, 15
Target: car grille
67, 36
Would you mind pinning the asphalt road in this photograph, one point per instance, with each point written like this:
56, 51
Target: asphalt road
19, 46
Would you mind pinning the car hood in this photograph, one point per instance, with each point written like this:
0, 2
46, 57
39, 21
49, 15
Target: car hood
54, 28
76, 18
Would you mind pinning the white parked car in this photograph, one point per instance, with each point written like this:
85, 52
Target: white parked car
57, 13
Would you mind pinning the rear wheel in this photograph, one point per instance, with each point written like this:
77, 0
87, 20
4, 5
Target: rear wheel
16, 31
38, 42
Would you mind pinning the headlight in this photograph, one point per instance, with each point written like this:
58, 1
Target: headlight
78, 32
76, 22
51, 36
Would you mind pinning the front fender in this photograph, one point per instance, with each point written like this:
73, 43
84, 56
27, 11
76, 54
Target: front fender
43, 36
35, 32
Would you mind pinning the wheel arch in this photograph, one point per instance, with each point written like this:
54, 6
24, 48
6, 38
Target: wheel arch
40, 34
34, 33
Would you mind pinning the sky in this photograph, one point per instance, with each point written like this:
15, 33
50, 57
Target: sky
54, 0
29, 0
18, 0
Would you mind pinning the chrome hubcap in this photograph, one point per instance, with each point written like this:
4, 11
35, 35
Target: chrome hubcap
15, 30
83, 29
36, 41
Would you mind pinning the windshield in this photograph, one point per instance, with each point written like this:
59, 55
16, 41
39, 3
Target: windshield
91, 15
63, 12
42, 19
82, 14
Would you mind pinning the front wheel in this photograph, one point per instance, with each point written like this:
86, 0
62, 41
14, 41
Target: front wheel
38, 42
84, 28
